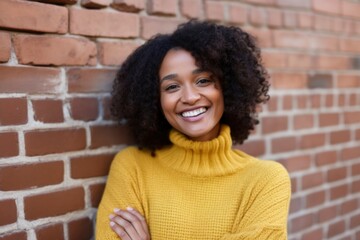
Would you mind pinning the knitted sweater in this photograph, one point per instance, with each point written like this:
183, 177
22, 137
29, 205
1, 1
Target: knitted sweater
198, 190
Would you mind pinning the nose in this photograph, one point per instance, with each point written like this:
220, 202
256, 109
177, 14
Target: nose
190, 95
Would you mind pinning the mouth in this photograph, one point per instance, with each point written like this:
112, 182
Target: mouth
194, 113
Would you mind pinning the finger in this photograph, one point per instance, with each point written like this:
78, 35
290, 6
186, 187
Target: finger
119, 231
141, 219
134, 220
127, 226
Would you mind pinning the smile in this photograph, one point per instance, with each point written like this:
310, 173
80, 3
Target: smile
194, 113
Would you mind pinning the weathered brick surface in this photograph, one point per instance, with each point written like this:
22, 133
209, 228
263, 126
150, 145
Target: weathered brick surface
9, 144
82, 80
98, 165
129, 5
51, 231
47, 141
57, 136
115, 53
48, 110
33, 16
8, 212
54, 203
103, 24
29, 80
16, 177
13, 111
44, 50
5, 46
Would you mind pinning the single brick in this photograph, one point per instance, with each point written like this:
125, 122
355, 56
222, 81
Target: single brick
339, 191
109, 135
289, 80
48, 50
162, 7
355, 63
274, 18
350, 45
274, 124
305, 20
330, 6
85, 109
301, 222
336, 174
312, 140
349, 206
59, 1
297, 163
340, 136
17, 177
349, 153
106, 105
257, 16
95, 3
254, 147
303, 121
312, 180
332, 63
154, 25
5, 46
51, 231
52, 204
306, 4
215, 10
29, 80
329, 119
325, 158
115, 53
320, 81
315, 199
9, 144
33, 16
283, 144
47, 141
290, 19
326, 214
96, 192
80, 229
8, 212
351, 9
48, 110
352, 117
313, 234
103, 23
336, 228
19, 235
129, 5
348, 81
95, 166
82, 80
191, 8
13, 111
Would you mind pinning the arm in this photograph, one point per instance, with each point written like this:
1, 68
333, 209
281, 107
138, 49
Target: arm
265, 214
121, 191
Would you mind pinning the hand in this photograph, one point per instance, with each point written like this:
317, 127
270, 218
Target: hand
129, 224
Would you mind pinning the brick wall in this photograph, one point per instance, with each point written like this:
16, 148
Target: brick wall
57, 139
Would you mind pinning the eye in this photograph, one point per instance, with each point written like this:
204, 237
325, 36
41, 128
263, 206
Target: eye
203, 81
171, 88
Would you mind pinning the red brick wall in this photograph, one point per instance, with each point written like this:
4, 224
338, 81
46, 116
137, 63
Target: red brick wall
57, 139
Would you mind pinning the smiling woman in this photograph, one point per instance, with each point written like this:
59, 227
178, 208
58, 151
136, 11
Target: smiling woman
187, 97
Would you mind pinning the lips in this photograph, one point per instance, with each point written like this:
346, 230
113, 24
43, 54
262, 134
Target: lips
193, 113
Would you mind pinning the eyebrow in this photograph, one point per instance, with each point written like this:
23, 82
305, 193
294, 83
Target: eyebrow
172, 76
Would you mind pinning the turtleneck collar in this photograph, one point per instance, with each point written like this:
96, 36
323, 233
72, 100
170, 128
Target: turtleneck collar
209, 158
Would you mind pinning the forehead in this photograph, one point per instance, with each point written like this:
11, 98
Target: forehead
177, 60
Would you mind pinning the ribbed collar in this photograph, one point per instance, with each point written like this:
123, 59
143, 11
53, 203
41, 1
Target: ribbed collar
210, 158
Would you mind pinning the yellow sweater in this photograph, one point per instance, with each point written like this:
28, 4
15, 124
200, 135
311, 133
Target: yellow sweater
198, 190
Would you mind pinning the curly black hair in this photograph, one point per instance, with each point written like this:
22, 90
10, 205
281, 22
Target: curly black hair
228, 52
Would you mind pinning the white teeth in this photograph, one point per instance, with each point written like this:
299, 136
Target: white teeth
194, 113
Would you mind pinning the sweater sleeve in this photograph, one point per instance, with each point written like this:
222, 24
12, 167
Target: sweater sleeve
264, 215
121, 191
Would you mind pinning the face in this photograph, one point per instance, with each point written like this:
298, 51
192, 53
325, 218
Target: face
191, 99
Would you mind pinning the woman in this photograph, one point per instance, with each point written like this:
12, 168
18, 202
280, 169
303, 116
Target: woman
187, 97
